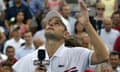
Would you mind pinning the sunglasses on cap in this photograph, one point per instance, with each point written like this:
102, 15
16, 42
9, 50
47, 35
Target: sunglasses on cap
101, 9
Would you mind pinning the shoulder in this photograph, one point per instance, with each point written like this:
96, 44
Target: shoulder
22, 64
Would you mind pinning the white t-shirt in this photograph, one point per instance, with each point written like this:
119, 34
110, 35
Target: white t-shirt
23, 51
13, 43
64, 59
109, 37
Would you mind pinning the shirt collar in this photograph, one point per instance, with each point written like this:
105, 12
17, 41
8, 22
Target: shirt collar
60, 51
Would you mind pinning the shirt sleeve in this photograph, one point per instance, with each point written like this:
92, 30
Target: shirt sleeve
89, 62
23, 65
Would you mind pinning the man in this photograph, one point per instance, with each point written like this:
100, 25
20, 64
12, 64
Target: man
116, 20
16, 41
27, 48
114, 60
65, 11
10, 52
63, 59
108, 34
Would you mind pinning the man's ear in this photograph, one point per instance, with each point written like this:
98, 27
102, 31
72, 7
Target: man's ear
66, 35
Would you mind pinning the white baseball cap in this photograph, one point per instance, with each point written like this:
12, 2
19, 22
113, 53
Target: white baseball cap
54, 13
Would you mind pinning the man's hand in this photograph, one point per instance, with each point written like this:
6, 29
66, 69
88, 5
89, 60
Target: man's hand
85, 16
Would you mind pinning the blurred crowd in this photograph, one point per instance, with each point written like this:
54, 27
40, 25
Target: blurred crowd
22, 27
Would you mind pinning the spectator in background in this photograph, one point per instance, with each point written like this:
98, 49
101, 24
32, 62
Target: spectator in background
16, 41
6, 68
72, 41
85, 41
114, 60
10, 53
37, 42
19, 21
54, 4
117, 44
65, 11
79, 29
116, 20
97, 21
12, 12
108, 34
36, 6
106, 68
110, 7
27, 48
40, 33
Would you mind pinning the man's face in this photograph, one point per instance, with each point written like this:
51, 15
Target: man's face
114, 60
16, 33
100, 11
28, 37
116, 19
79, 27
108, 25
10, 52
66, 11
55, 29
20, 16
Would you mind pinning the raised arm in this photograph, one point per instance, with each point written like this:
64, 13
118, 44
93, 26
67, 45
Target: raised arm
100, 54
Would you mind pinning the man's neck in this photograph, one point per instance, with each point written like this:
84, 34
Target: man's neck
52, 46
28, 45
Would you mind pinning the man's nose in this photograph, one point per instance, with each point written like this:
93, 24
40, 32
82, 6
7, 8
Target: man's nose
51, 24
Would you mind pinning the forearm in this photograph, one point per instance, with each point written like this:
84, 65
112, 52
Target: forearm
101, 52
